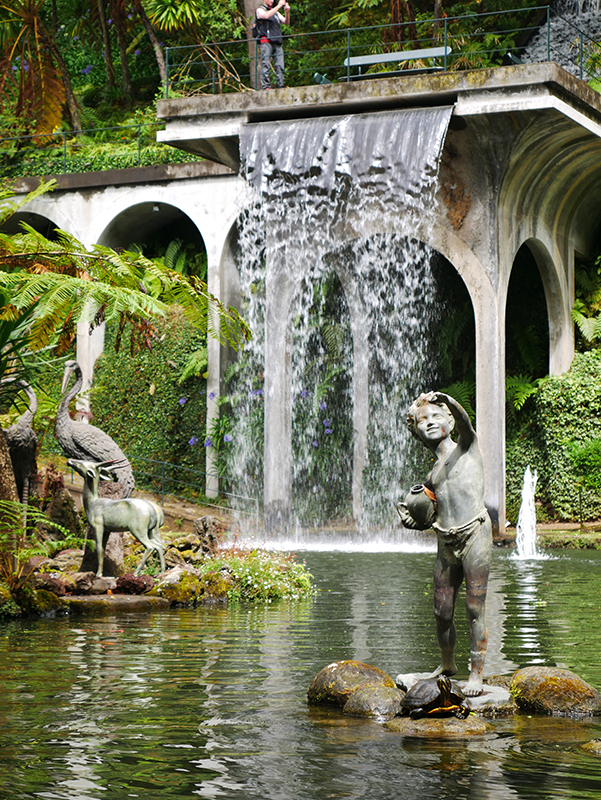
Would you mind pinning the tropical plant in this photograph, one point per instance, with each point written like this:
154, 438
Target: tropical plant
33, 74
18, 544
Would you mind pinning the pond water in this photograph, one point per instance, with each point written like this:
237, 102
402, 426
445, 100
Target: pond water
211, 703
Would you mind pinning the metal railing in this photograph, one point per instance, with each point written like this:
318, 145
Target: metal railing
476, 40
89, 150
169, 480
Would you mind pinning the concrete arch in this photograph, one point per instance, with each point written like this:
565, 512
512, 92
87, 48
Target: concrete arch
559, 298
43, 208
489, 318
138, 222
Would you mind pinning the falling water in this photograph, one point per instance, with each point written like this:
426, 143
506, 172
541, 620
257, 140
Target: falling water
338, 209
526, 528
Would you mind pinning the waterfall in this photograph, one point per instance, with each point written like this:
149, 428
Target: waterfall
526, 528
339, 292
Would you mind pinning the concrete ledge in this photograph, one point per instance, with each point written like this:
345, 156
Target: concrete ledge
113, 604
121, 177
396, 92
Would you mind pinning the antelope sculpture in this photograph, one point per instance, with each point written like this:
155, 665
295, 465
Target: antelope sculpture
142, 518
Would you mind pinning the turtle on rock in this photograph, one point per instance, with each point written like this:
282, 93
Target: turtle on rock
435, 697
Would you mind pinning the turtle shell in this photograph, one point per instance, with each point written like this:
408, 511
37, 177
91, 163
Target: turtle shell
439, 696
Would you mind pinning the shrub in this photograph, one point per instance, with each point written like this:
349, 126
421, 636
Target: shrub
138, 399
559, 437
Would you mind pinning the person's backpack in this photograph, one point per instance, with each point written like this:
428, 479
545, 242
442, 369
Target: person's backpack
255, 28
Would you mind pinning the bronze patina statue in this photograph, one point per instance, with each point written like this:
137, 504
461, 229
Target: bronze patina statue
455, 486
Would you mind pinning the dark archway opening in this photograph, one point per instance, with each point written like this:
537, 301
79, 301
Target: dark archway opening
159, 230
526, 320
39, 223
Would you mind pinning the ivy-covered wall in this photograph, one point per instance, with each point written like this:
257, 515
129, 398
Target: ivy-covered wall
558, 422
138, 400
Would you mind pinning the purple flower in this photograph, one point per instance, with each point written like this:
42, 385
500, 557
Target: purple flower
87, 70
182, 401
130, 16
228, 437
304, 393
327, 422
314, 443
329, 430
208, 443
256, 393
136, 52
193, 441
110, 21
323, 405
211, 395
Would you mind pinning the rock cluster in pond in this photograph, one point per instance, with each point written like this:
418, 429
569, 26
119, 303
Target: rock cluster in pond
364, 690
53, 583
334, 684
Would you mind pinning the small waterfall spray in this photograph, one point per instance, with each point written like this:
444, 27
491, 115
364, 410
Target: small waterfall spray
526, 528
329, 245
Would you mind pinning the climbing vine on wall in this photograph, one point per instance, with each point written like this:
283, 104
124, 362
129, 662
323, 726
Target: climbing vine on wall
138, 399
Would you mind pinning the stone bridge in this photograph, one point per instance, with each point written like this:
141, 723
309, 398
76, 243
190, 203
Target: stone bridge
521, 166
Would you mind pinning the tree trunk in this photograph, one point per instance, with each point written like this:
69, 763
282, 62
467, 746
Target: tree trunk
125, 76
106, 39
69, 94
250, 6
437, 17
158, 50
8, 491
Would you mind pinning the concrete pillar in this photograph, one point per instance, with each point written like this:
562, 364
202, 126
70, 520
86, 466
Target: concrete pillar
490, 403
215, 354
279, 288
89, 346
360, 390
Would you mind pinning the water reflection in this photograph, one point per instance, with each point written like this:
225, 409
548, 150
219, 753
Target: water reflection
212, 703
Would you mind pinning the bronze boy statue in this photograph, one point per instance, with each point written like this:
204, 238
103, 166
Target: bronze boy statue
462, 524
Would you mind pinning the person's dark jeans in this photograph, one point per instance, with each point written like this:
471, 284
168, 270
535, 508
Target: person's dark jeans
270, 50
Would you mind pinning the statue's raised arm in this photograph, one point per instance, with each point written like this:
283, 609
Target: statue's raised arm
464, 425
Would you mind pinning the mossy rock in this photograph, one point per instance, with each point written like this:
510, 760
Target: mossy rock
37, 601
217, 584
593, 747
550, 690
440, 727
334, 684
9, 609
374, 701
181, 587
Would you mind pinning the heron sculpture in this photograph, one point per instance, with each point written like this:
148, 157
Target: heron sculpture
22, 442
86, 442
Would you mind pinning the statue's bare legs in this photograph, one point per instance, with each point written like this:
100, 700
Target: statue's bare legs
447, 580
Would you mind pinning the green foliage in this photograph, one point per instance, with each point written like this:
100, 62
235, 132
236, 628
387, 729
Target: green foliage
587, 306
139, 398
261, 576
557, 436
587, 464
518, 388
19, 543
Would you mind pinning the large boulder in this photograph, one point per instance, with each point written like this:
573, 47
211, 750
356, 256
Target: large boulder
550, 690
374, 701
334, 684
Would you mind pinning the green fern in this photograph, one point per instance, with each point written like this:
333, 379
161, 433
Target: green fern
518, 388
196, 366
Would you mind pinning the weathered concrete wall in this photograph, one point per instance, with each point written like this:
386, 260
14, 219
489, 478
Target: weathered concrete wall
520, 166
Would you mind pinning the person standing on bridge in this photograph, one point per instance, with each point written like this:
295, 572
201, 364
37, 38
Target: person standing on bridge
269, 20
